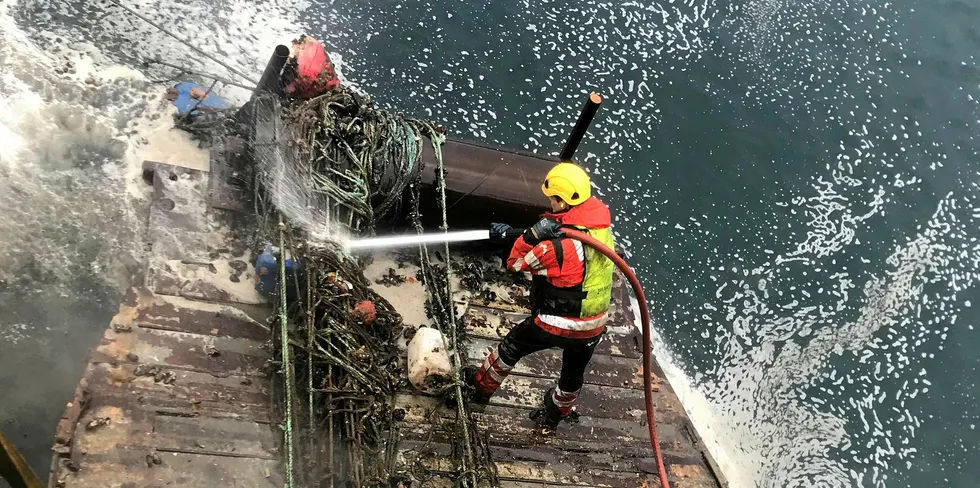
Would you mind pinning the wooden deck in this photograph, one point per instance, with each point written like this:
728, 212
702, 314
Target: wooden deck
176, 394
178, 391
608, 447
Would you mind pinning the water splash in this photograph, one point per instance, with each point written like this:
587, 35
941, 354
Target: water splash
65, 212
78, 115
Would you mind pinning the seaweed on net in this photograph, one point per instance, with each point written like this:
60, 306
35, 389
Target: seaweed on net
337, 162
359, 158
346, 368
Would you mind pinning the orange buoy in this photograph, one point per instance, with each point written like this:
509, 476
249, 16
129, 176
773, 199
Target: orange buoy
314, 72
365, 312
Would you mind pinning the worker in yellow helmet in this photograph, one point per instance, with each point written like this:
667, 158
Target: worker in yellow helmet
570, 292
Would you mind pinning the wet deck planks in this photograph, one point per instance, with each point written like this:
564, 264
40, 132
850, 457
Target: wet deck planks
176, 392
608, 447
202, 414
180, 375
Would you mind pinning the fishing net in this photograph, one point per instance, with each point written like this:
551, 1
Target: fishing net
337, 165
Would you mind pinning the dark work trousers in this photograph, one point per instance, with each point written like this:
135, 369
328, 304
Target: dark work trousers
526, 338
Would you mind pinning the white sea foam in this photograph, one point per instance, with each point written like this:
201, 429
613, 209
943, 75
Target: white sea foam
80, 112
62, 191
792, 289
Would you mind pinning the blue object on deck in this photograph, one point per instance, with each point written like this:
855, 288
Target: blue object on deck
185, 103
267, 272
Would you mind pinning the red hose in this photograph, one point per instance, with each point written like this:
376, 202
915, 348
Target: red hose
647, 343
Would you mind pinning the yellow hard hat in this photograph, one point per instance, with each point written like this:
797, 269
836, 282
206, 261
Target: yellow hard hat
568, 182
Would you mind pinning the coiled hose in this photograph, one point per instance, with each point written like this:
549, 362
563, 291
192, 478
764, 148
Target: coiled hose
647, 343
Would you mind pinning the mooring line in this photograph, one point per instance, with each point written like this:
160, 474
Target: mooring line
184, 42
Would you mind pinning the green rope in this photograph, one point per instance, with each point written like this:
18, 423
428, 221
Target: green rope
468, 469
437, 142
363, 161
309, 346
286, 364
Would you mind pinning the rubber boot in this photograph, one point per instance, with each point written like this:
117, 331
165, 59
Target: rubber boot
476, 396
549, 416
486, 379
470, 391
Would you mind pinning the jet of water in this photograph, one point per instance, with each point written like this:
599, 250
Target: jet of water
416, 239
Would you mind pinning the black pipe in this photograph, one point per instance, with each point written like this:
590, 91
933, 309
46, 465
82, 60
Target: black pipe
271, 78
584, 121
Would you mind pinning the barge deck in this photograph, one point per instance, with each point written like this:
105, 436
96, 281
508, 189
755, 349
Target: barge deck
178, 393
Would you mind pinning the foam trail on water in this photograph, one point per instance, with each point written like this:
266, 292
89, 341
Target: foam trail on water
805, 283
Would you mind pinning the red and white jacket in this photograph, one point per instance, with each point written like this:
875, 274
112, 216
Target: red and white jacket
542, 260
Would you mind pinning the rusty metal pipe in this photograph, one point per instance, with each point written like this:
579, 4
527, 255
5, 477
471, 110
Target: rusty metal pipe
13, 467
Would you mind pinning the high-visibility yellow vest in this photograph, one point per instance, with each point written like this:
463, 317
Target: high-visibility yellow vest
588, 299
598, 281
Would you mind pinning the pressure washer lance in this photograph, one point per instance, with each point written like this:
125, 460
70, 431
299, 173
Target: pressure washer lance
480, 235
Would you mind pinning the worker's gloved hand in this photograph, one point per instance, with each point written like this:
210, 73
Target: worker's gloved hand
498, 230
543, 230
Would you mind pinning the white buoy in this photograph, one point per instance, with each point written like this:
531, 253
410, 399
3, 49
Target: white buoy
429, 369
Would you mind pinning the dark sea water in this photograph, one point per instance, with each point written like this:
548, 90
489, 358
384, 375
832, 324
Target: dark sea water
797, 184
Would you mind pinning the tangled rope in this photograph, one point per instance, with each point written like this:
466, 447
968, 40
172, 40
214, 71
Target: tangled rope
472, 457
359, 157
346, 365
352, 164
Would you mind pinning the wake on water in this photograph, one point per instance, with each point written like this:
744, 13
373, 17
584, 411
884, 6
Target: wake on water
79, 112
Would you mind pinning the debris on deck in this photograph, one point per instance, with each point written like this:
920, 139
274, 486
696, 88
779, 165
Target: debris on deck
368, 161
220, 369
